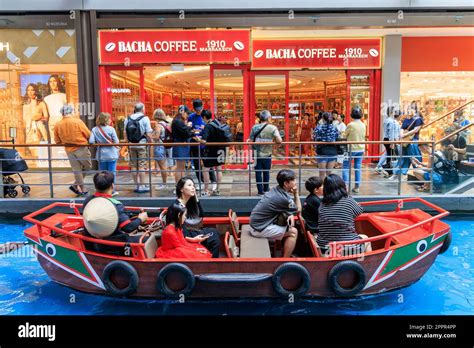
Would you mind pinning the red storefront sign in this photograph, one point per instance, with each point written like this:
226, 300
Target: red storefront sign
174, 46
316, 54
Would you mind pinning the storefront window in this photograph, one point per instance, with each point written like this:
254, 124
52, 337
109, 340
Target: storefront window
270, 95
229, 101
38, 75
312, 92
169, 86
436, 94
125, 91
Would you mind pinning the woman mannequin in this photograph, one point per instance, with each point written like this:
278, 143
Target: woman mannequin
306, 130
35, 116
55, 100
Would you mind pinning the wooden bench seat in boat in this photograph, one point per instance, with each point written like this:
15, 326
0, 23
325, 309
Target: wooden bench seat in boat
231, 248
234, 226
151, 246
253, 247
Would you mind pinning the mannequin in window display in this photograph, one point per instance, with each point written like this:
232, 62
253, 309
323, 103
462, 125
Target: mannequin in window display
55, 100
35, 118
305, 133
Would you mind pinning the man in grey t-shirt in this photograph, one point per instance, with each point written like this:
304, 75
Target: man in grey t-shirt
278, 200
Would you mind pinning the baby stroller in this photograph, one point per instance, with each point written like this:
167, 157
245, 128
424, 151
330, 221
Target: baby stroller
11, 163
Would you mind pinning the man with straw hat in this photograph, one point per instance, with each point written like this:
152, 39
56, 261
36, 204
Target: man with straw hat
104, 216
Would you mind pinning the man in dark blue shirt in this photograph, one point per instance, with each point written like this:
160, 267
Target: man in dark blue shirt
198, 124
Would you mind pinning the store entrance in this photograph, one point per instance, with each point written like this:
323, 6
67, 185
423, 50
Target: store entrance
231, 99
124, 88
294, 99
362, 93
269, 91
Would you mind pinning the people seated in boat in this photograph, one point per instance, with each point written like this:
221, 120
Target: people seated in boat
314, 185
173, 242
336, 219
273, 216
193, 225
104, 185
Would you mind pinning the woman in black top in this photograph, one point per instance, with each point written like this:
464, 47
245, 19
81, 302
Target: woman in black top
193, 229
181, 134
336, 218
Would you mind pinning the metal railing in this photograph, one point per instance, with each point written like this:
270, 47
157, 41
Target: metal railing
437, 119
242, 181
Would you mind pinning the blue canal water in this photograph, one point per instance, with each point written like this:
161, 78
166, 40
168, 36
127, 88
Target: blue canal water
447, 288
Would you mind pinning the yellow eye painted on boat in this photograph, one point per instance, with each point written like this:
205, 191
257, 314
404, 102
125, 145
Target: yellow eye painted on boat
421, 246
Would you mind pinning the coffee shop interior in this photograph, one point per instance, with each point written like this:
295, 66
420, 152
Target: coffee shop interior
289, 95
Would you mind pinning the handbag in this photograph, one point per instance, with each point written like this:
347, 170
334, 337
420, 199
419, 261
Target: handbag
282, 219
342, 148
410, 137
255, 147
107, 137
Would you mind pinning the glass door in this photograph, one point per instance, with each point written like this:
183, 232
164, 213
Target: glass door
121, 89
230, 99
360, 89
269, 91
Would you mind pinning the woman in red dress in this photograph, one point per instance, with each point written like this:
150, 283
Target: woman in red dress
173, 243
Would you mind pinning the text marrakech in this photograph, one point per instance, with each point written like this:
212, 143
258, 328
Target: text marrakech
37, 331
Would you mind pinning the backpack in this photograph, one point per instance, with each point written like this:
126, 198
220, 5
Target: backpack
223, 132
134, 133
447, 169
167, 137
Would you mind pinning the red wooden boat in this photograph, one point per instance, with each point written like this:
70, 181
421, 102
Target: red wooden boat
405, 244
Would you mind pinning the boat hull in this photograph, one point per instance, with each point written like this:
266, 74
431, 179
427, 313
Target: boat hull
378, 278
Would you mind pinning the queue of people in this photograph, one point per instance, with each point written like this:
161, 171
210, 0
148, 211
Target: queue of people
202, 129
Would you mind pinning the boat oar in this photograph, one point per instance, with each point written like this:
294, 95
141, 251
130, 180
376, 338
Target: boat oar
11, 246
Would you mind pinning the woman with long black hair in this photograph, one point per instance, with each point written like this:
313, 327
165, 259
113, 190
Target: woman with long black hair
35, 114
193, 228
337, 215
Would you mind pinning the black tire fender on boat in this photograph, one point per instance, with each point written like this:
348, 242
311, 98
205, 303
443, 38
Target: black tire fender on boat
342, 267
291, 267
131, 273
446, 243
180, 268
